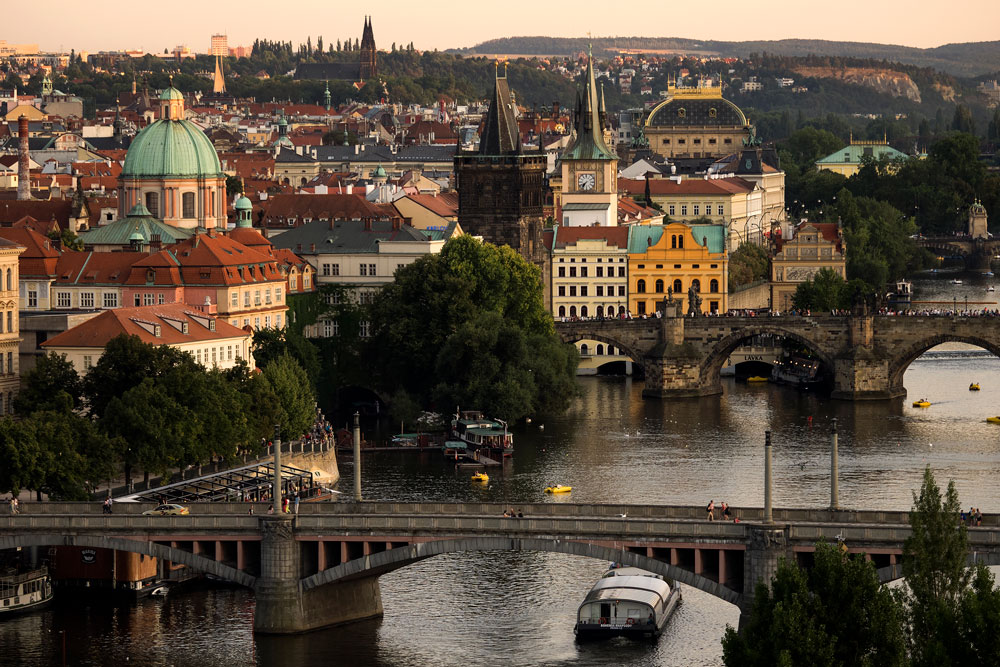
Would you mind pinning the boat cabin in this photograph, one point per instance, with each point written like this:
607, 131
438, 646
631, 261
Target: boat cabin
479, 432
625, 602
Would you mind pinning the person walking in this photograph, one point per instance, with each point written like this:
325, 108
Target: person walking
296, 503
711, 510
284, 504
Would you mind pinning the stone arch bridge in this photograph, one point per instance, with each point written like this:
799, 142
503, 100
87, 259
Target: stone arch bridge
321, 567
867, 354
976, 253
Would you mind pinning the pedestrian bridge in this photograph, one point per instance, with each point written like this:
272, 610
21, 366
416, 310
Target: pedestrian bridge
867, 354
321, 566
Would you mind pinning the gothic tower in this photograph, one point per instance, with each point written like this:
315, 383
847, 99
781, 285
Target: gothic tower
369, 65
500, 186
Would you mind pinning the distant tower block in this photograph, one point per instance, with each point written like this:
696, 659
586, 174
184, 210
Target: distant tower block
220, 46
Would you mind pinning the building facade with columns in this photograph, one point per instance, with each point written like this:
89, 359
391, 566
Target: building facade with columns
10, 337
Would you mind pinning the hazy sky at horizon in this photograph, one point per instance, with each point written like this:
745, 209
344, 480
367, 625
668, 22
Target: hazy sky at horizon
429, 24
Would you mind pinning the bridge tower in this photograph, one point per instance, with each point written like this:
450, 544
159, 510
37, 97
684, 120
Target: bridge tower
284, 608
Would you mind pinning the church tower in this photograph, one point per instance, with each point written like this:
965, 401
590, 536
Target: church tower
500, 185
369, 64
219, 80
589, 165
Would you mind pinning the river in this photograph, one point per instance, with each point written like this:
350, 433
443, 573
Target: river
611, 446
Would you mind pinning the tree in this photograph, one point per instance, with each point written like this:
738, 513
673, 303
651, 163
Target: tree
747, 264
824, 291
295, 402
837, 613
962, 121
19, 454
936, 577
234, 186
53, 384
446, 301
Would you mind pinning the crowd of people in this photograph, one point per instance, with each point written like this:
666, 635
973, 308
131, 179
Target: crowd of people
802, 312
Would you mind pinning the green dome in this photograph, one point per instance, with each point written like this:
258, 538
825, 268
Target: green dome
136, 236
171, 93
171, 148
139, 211
243, 204
379, 172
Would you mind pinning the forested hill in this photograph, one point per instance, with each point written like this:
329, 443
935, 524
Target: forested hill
965, 59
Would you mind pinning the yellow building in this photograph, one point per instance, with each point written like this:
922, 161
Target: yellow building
675, 257
695, 122
848, 160
9, 335
810, 247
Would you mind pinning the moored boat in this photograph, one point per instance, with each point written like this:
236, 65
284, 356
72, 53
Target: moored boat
627, 602
480, 433
756, 379
24, 591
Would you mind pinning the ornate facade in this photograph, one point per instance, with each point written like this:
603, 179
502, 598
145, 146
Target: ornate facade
9, 336
694, 123
812, 246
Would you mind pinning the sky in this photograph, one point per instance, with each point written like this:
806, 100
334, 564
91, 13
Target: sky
429, 24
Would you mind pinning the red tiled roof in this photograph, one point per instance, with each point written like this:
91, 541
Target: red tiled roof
687, 186
615, 236
279, 208
445, 205
210, 259
99, 331
829, 230
39, 258
95, 268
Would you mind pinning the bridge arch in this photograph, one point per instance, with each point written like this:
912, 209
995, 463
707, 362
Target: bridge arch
155, 549
894, 572
711, 366
393, 559
901, 361
574, 337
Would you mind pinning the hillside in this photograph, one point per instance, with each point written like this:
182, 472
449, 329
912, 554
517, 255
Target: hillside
965, 59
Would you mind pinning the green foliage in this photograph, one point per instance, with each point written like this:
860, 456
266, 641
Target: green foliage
53, 384
296, 405
825, 291
71, 456
837, 613
19, 454
270, 344
747, 264
478, 297
937, 579
234, 186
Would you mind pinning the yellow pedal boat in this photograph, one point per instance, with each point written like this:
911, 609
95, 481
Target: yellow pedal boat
993, 420
922, 403
756, 378
480, 477
558, 488
974, 386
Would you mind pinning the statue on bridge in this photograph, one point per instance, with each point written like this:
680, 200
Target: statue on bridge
694, 301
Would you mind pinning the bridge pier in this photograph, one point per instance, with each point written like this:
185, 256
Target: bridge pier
768, 544
284, 608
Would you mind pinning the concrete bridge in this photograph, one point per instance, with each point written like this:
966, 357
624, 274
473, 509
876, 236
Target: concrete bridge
867, 354
977, 252
321, 567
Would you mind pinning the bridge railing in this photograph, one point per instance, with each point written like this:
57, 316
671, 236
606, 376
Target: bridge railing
530, 509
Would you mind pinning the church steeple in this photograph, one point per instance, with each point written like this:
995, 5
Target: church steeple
589, 123
219, 81
326, 96
369, 63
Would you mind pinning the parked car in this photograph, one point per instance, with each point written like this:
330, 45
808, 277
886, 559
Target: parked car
167, 510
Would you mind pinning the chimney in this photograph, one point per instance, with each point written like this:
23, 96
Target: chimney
395, 224
312, 247
23, 172
368, 224
155, 243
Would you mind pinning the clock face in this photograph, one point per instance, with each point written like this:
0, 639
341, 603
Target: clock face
586, 181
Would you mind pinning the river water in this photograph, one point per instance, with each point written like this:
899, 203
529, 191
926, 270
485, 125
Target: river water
611, 446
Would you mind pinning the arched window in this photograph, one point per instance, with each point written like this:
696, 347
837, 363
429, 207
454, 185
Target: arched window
713, 286
572, 311
187, 205
621, 310
584, 350
600, 311
680, 242
659, 286
583, 311
673, 241
153, 203
562, 311
10, 283
640, 286
696, 284
304, 181
677, 286
600, 349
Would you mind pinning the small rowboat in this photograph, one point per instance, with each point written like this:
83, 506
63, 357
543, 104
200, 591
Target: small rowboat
558, 488
922, 403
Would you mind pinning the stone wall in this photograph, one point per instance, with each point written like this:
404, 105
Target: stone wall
751, 297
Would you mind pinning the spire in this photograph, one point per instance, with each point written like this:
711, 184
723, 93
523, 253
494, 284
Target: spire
326, 96
500, 135
219, 82
589, 142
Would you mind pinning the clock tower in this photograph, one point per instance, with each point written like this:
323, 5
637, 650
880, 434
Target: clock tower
589, 166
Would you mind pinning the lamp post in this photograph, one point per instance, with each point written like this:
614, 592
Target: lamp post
357, 456
768, 512
834, 472
276, 495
